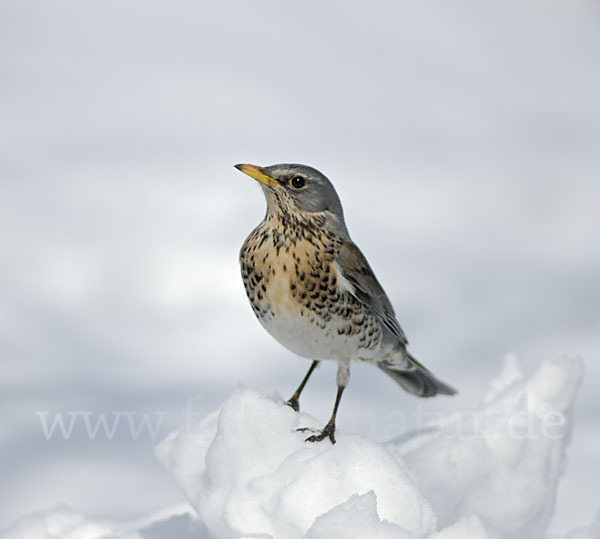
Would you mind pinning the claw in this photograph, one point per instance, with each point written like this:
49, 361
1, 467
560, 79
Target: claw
294, 404
327, 432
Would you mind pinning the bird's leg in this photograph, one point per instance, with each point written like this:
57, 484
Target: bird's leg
343, 375
329, 430
294, 400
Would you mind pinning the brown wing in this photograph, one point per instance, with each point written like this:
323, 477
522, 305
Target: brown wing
366, 288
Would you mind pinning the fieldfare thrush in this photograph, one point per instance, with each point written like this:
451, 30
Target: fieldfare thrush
313, 290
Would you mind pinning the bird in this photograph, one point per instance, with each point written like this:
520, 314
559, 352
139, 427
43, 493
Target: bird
312, 289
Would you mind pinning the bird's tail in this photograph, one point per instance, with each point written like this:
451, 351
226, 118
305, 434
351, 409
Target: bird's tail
415, 379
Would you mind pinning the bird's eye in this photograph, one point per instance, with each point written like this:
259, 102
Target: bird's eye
298, 182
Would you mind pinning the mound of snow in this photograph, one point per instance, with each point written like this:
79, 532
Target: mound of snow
247, 472
57, 523
503, 461
492, 472
63, 522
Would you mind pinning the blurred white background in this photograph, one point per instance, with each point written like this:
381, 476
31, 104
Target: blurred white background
463, 139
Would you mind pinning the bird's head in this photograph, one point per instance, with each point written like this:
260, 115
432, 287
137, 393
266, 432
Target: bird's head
301, 191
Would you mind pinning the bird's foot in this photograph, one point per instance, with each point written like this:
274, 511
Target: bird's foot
327, 432
293, 403
306, 429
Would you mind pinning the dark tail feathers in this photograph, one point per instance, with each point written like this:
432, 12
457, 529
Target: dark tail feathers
418, 381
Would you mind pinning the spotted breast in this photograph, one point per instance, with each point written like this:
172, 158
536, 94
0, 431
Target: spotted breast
299, 295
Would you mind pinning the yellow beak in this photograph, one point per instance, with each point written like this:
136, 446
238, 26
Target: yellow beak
258, 174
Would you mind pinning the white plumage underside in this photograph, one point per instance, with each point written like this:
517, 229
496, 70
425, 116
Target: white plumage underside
307, 339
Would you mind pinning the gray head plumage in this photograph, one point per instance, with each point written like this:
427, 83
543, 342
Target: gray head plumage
303, 188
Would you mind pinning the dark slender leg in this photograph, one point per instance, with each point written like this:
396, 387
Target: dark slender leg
294, 400
329, 430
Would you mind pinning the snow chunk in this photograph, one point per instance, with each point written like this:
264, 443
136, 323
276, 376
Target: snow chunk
510, 374
361, 510
467, 527
66, 523
259, 476
503, 461
57, 523
492, 472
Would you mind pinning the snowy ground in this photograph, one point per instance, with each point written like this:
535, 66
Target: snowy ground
462, 137
248, 472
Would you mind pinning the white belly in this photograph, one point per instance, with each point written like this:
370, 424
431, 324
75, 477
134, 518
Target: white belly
308, 339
